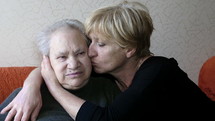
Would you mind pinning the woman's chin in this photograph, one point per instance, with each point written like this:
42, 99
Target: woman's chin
71, 87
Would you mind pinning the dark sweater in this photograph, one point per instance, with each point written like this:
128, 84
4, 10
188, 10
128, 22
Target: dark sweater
99, 91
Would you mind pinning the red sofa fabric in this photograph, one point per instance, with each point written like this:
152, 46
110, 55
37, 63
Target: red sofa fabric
12, 78
207, 78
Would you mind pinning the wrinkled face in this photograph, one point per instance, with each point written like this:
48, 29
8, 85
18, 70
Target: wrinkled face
69, 58
106, 56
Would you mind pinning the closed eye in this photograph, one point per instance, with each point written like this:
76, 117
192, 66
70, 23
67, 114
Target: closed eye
61, 58
81, 53
100, 44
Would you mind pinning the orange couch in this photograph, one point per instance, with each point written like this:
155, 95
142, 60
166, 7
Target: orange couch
12, 78
207, 78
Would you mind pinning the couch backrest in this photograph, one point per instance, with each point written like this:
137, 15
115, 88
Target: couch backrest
12, 78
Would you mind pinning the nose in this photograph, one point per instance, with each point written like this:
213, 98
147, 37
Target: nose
73, 63
92, 51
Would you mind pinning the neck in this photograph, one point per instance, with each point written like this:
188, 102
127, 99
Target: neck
127, 72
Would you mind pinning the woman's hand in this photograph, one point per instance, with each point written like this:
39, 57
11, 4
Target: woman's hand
48, 75
25, 106
28, 102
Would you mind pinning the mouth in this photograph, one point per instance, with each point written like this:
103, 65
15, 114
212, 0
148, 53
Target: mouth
74, 74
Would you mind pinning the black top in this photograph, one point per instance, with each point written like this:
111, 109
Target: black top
160, 90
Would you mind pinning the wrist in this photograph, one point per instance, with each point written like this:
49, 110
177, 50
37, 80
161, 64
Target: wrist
32, 88
34, 80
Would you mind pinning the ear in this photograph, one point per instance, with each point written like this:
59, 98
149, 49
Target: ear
130, 52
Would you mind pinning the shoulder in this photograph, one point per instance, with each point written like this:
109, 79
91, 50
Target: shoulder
159, 62
157, 65
164, 67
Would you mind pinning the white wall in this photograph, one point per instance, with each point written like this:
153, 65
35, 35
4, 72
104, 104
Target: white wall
184, 29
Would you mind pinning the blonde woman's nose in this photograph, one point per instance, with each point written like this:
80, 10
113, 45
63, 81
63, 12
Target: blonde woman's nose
91, 51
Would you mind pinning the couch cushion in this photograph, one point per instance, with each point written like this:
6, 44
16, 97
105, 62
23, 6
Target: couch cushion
12, 78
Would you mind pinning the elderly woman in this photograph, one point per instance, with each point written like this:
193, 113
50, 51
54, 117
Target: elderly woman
66, 45
153, 87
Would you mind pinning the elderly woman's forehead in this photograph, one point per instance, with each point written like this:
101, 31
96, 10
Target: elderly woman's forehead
68, 38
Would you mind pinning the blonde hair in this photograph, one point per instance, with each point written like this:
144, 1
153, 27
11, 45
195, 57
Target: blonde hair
128, 24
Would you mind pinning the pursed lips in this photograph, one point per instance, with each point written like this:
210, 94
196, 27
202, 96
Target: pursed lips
74, 74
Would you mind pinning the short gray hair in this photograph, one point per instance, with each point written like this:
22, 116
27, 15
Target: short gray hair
43, 37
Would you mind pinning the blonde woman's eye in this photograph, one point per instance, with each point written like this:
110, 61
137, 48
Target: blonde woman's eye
100, 44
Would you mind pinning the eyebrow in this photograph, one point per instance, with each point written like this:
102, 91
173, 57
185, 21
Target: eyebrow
66, 52
79, 50
61, 53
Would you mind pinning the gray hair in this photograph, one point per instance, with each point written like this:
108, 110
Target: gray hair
43, 37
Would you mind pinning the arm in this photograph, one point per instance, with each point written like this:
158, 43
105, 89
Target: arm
35, 74
74, 105
123, 106
28, 102
69, 102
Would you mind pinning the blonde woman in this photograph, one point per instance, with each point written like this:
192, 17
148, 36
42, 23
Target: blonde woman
153, 87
